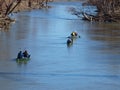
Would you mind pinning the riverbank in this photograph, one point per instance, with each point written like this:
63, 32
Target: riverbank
107, 11
69, 0
16, 7
23, 5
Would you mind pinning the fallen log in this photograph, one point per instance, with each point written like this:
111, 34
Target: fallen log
87, 17
103, 18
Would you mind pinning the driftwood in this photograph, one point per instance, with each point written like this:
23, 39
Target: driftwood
104, 18
87, 17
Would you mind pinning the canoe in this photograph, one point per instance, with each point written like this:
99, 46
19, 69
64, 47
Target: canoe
73, 37
69, 41
22, 60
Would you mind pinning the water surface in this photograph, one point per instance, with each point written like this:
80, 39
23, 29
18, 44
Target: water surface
91, 63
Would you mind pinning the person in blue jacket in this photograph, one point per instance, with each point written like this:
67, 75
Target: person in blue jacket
20, 55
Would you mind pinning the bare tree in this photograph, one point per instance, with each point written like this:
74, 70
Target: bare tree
1, 3
108, 10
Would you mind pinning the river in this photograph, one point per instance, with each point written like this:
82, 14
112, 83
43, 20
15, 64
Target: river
91, 63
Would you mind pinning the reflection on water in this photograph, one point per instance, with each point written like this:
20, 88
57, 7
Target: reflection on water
91, 62
108, 34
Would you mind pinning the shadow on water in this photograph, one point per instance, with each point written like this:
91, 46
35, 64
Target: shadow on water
107, 34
